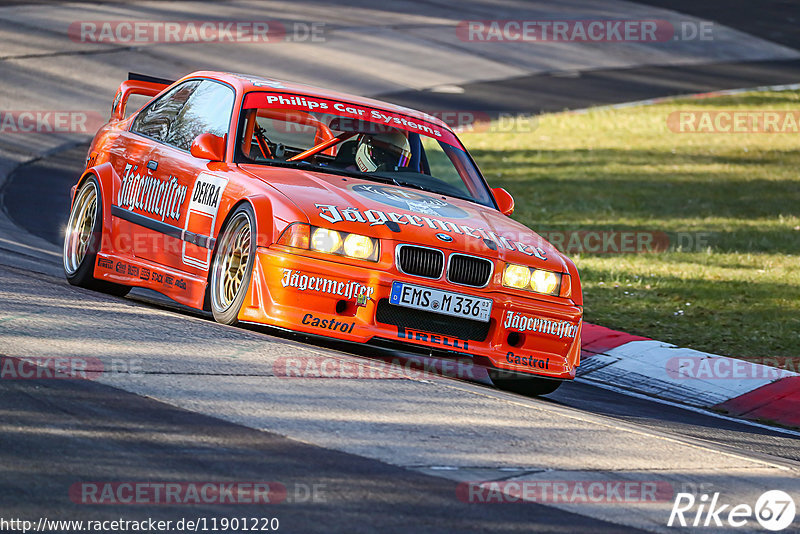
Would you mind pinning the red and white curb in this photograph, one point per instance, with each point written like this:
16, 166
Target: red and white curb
642, 366
689, 377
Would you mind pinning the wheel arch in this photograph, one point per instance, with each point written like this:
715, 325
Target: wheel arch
104, 175
262, 207
84, 274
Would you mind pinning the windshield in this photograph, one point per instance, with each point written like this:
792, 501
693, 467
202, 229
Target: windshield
370, 143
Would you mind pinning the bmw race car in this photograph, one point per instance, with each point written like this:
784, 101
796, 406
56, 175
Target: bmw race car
324, 213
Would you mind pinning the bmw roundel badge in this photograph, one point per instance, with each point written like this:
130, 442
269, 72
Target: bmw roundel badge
444, 237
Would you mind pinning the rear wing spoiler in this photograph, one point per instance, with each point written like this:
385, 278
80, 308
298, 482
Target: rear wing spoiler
136, 84
136, 77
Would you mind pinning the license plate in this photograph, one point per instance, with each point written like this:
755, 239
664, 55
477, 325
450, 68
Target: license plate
438, 301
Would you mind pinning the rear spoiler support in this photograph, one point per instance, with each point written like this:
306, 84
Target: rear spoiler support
137, 84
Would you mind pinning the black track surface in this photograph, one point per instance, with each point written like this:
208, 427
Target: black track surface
357, 494
541, 93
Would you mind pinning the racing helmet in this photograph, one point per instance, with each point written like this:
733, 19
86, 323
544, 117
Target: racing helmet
383, 151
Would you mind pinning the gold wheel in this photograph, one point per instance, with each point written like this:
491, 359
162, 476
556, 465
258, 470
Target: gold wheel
80, 227
232, 262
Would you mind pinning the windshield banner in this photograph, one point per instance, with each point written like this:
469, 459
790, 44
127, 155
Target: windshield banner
365, 117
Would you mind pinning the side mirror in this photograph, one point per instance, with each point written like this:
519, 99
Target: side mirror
505, 202
209, 146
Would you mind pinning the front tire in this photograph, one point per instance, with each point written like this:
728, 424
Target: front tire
83, 238
530, 386
232, 266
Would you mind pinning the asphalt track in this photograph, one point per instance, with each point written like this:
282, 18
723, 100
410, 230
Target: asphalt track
559, 91
58, 172
99, 433
388, 453
773, 20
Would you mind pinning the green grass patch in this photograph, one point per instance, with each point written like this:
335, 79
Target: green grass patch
732, 199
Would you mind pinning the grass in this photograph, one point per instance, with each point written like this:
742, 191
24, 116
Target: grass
733, 200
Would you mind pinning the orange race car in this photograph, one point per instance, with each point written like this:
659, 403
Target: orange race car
282, 204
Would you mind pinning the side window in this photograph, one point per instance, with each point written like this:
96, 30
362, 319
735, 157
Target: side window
208, 110
154, 121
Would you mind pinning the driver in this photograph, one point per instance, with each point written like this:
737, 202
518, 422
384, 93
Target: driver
383, 152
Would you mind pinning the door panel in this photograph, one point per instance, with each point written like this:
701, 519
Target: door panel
128, 156
158, 176
195, 192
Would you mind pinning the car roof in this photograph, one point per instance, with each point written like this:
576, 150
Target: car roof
245, 83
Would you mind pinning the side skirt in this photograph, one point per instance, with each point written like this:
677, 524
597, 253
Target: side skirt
137, 272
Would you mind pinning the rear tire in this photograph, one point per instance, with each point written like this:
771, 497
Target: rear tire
531, 386
232, 266
83, 238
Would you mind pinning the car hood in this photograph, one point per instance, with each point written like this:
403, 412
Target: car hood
408, 215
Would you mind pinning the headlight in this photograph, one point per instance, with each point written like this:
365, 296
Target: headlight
546, 282
327, 241
324, 240
516, 276
358, 246
536, 280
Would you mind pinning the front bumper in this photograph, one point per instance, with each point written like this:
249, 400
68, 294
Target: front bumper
315, 296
